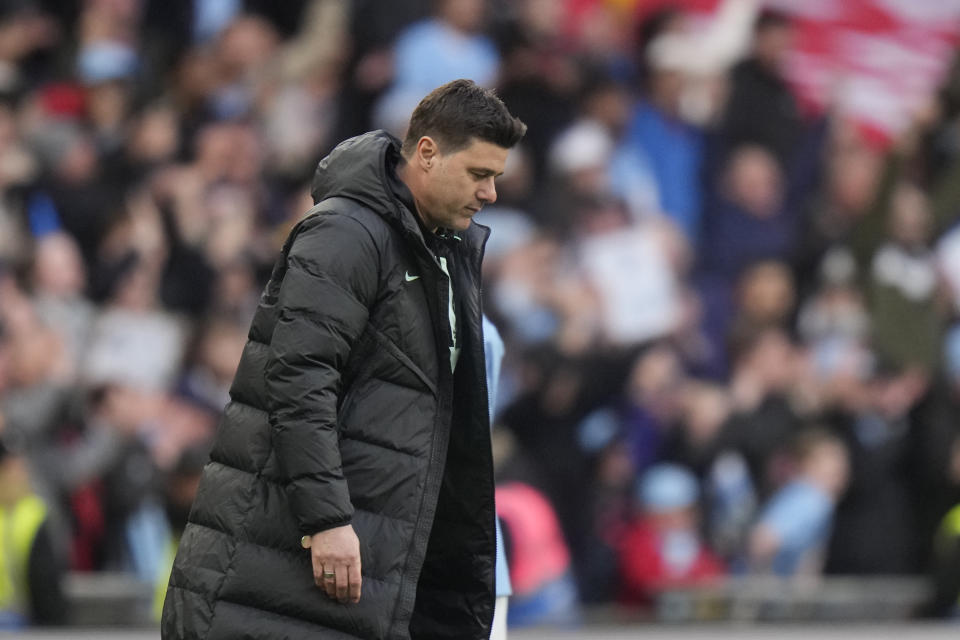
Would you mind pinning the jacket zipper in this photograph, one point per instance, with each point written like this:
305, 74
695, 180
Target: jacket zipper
434, 477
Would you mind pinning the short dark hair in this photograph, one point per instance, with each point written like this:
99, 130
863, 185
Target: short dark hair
457, 112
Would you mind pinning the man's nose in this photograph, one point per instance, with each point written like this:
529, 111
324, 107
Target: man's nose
488, 192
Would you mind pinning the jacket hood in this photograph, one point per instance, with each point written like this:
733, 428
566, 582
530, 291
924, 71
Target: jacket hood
357, 169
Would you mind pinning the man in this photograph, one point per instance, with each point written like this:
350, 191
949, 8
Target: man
358, 425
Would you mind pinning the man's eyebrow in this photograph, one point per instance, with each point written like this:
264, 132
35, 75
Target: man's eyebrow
486, 172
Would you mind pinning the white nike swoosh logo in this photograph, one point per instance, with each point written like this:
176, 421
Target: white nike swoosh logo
409, 277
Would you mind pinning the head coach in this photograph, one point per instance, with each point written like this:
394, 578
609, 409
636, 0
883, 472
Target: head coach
349, 492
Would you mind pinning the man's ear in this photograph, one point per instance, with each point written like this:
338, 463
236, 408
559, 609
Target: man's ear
427, 152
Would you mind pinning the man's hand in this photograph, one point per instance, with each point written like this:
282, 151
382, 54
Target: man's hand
336, 563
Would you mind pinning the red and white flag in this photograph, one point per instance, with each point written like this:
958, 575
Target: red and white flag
876, 61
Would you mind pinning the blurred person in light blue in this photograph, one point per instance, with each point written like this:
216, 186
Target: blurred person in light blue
446, 46
435, 51
210, 17
587, 155
493, 350
792, 532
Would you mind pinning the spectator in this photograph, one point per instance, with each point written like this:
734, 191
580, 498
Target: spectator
107, 70
73, 188
133, 339
673, 148
544, 591
633, 271
945, 600
59, 282
539, 79
578, 162
653, 403
854, 191
761, 110
905, 321
662, 549
835, 312
31, 567
243, 47
766, 295
792, 532
25, 31
877, 431
38, 371
750, 220
694, 443
765, 418
432, 52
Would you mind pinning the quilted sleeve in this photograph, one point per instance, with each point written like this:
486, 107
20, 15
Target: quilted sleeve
329, 285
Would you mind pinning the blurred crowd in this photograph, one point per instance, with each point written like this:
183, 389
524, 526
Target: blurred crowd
732, 323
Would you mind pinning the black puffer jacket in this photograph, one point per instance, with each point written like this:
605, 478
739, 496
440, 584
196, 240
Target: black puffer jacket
344, 409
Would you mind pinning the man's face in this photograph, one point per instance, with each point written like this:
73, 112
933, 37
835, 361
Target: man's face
459, 183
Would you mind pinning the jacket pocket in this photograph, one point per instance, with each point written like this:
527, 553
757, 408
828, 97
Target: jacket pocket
388, 345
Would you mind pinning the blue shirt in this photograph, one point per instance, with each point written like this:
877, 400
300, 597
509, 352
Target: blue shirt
431, 53
674, 153
493, 350
800, 514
